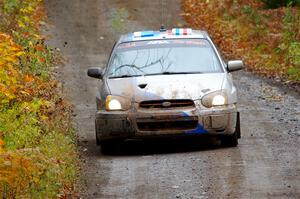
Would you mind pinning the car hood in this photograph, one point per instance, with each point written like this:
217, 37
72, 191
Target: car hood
187, 86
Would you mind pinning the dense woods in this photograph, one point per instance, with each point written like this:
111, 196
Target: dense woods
268, 40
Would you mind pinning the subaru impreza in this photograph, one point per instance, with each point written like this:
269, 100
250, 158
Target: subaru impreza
166, 83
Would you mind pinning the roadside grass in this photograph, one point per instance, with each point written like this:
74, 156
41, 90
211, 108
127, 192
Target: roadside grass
118, 19
268, 40
38, 157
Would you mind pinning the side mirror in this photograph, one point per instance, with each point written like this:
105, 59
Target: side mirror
235, 65
95, 72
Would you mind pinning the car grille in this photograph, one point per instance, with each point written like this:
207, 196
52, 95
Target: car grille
164, 126
160, 104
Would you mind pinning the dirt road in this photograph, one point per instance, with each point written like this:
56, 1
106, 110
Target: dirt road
266, 164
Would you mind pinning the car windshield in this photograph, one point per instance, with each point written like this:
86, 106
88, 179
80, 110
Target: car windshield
178, 56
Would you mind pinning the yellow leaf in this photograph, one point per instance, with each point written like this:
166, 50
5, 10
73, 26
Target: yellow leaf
21, 24
20, 53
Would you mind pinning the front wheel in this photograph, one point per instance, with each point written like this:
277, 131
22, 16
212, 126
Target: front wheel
109, 146
232, 140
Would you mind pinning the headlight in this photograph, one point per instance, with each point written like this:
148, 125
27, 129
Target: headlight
116, 103
217, 98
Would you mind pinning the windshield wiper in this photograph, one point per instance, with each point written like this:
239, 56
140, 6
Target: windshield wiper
173, 73
123, 76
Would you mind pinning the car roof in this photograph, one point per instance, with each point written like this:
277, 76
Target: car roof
175, 33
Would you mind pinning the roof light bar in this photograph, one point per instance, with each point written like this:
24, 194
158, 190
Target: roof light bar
174, 31
144, 34
182, 31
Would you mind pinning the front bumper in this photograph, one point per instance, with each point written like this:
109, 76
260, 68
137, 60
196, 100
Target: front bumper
151, 123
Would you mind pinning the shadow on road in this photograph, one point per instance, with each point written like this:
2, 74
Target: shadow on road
156, 146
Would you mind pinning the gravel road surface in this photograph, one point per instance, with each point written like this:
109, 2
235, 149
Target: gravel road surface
266, 164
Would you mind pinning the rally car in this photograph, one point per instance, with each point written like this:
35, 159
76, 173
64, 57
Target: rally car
166, 83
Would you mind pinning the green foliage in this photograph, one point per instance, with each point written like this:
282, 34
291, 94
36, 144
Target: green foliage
294, 58
294, 73
20, 125
11, 5
253, 15
280, 3
38, 160
294, 54
118, 19
46, 171
37, 149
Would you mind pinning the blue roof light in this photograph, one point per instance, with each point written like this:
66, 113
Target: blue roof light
144, 34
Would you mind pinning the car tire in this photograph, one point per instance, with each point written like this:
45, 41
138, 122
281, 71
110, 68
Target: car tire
232, 140
238, 126
96, 134
97, 141
109, 146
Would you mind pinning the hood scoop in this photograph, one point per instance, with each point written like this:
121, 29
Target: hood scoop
142, 86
